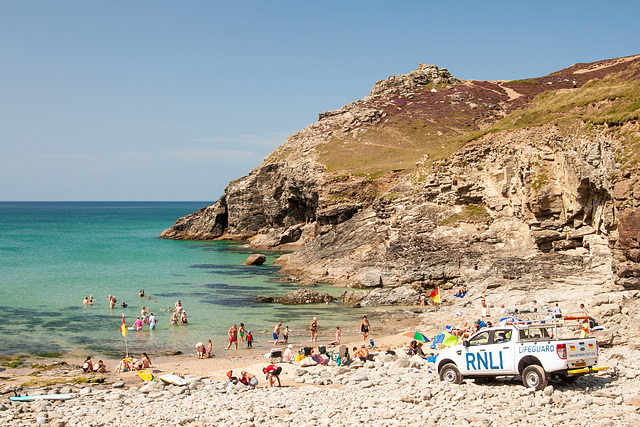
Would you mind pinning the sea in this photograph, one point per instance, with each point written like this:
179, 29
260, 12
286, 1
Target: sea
54, 254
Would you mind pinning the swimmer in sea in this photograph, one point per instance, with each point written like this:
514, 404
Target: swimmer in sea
141, 294
124, 304
90, 299
85, 301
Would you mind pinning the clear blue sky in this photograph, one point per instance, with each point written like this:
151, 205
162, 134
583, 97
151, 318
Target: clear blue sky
171, 100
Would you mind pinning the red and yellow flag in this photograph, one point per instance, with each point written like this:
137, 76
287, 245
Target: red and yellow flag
435, 295
123, 328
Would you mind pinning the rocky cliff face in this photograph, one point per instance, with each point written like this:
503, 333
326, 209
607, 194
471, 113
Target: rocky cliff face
430, 181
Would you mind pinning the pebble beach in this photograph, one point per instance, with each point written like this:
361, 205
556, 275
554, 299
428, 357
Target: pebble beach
391, 390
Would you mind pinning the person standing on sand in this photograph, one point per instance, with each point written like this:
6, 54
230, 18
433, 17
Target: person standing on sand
276, 332
200, 350
209, 349
338, 334
313, 329
233, 336
365, 327
249, 339
272, 372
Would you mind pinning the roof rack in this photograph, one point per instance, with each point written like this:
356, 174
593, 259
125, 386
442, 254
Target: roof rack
547, 320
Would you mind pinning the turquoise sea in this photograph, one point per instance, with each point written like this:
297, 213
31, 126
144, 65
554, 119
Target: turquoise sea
53, 254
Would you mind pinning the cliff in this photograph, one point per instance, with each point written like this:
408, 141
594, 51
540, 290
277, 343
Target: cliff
431, 180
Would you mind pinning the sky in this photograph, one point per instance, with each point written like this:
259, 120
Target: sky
170, 101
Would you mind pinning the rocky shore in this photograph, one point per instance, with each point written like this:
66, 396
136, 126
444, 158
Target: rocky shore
391, 390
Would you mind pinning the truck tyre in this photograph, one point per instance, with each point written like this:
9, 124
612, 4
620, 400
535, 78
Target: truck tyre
534, 377
450, 374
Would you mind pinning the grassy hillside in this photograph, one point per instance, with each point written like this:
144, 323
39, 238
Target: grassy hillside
437, 120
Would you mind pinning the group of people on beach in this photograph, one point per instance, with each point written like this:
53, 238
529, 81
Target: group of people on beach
202, 352
99, 368
130, 363
235, 334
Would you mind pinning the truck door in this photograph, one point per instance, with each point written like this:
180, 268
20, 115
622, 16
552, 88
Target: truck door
501, 348
489, 353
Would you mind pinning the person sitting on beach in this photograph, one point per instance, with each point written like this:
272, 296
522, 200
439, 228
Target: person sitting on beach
285, 334
249, 339
124, 365
419, 350
413, 346
360, 353
87, 366
462, 291
145, 363
248, 379
101, 368
272, 372
200, 350
287, 356
209, 349
141, 294
183, 318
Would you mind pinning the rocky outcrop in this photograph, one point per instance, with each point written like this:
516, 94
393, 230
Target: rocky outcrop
523, 208
403, 295
300, 296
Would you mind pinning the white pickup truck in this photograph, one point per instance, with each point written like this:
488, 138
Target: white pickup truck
530, 350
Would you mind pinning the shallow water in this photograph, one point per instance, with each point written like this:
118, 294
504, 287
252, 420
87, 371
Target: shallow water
54, 254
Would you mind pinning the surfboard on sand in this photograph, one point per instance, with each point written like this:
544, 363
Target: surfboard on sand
276, 342
145, 375
41, 397
173, 379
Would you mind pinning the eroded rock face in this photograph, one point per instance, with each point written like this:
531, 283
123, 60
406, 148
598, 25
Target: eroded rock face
533, 206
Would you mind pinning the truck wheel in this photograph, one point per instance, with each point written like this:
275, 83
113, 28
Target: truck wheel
450, 374
534, 376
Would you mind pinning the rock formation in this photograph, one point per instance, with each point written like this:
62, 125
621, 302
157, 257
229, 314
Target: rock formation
429, 180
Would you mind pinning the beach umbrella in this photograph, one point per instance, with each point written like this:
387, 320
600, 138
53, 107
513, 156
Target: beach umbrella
415, 335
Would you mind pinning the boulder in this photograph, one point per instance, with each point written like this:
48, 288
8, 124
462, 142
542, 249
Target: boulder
255, 259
